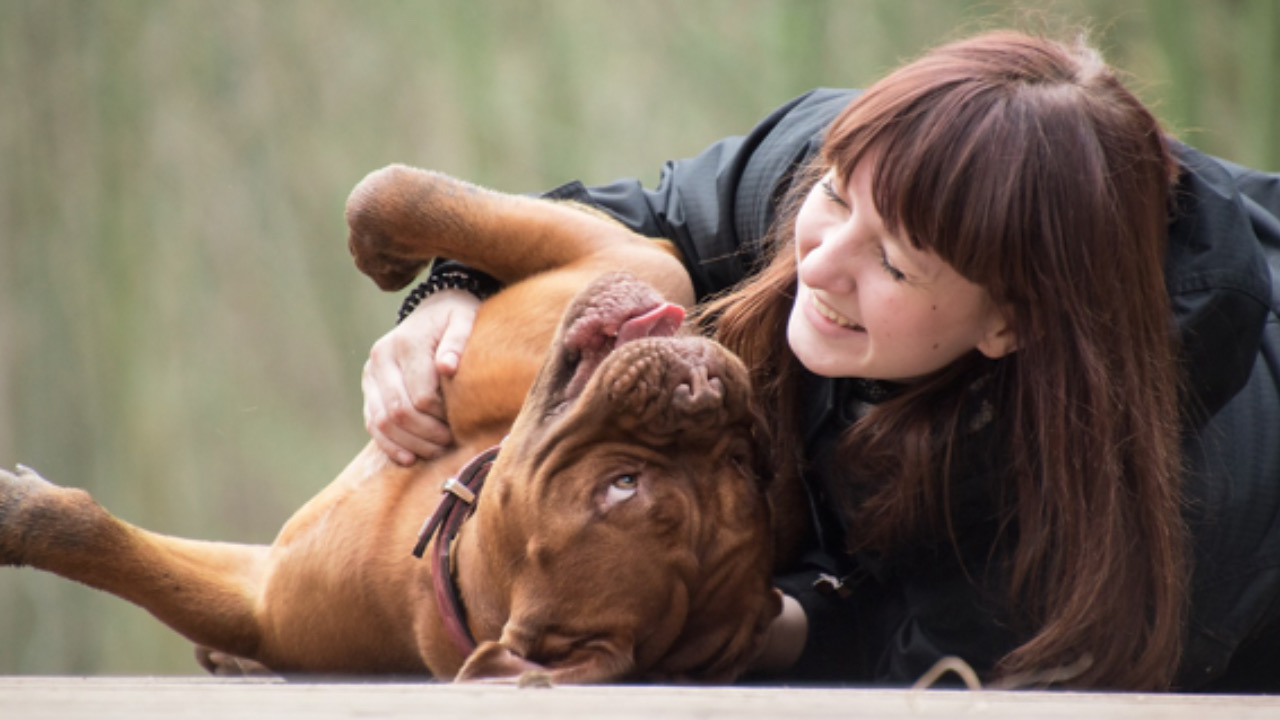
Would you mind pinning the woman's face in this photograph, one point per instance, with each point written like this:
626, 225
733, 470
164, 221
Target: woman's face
873, 306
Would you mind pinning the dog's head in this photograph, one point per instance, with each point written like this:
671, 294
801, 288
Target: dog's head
626, 509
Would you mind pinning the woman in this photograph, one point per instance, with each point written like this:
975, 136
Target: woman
960, 324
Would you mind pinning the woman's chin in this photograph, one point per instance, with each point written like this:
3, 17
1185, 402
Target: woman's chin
817, 354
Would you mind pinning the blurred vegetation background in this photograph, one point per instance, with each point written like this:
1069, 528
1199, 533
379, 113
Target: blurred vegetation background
181, 327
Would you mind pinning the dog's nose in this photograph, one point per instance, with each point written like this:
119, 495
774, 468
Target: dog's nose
699, 393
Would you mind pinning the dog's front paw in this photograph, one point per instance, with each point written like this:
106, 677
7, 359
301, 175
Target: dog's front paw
378, 218
401, 217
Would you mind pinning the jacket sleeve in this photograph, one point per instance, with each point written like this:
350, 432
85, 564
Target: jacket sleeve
1260, 195
716, 207
1217, 275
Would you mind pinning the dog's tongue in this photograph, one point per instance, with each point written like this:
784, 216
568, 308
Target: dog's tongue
662, 321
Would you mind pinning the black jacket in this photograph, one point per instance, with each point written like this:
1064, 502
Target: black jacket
898, 617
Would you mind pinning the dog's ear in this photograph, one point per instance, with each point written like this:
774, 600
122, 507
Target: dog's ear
493, 661
594, 662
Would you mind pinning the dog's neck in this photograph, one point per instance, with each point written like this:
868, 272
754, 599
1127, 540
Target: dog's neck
461, 492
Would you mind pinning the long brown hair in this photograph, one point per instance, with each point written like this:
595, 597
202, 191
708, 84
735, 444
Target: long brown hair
1027, 166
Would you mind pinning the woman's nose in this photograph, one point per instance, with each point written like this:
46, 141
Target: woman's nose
828, 264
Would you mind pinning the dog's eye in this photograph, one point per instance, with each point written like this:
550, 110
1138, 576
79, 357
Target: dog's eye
621, 489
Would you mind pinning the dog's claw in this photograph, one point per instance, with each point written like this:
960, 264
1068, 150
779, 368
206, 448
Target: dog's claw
535, 679
29, 474
223, 664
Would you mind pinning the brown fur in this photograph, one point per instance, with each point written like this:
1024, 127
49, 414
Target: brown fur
558, 579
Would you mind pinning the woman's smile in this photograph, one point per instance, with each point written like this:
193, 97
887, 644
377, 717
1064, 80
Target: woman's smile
830, 313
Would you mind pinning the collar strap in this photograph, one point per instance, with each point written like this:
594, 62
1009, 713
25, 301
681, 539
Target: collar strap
459, 497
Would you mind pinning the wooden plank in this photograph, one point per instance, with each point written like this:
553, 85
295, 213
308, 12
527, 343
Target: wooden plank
103, 698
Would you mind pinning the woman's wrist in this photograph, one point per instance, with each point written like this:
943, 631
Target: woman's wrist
448, 275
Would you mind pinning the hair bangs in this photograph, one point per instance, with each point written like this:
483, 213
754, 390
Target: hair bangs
947, 162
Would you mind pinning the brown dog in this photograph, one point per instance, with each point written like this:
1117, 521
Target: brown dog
622, 532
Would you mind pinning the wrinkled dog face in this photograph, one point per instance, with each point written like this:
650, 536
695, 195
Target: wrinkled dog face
642, 547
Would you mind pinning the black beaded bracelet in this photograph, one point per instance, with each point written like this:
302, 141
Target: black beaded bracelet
448, 275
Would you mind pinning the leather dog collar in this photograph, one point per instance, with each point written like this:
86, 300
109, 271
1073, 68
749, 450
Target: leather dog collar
460, 494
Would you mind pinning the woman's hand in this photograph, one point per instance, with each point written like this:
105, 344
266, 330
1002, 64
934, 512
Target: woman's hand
403, 408
784, 641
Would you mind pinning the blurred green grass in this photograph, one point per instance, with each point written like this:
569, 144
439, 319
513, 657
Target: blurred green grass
181, 328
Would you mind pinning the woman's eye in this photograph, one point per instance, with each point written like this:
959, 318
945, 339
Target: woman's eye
829, 189
894, 272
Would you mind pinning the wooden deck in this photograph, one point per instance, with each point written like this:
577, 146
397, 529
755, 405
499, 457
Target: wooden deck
106, 698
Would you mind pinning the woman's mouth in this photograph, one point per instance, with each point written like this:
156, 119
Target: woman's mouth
830, 314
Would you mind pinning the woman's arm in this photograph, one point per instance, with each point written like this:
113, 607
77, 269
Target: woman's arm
717, 206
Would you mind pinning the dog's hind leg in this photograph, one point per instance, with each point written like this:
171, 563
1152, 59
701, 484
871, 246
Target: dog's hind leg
206, 591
